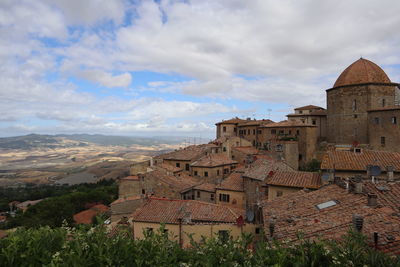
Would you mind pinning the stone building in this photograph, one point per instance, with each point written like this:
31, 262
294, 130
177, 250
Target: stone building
363, 86
282, 183
384, 128
230, 191
190, 219
228, 128
201, 192
305, 134
213, 167
312, 115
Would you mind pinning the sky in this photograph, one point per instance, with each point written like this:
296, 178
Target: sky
154, 68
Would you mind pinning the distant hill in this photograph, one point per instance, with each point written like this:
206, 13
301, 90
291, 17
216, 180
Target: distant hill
32, 141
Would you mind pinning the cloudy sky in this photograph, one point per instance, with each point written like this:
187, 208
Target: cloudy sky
176, 67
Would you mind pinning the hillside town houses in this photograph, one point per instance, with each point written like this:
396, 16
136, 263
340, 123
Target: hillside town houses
257, 177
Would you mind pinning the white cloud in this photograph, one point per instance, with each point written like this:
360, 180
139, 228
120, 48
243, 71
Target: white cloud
107, 79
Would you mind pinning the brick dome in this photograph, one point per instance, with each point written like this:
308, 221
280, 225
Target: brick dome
362, 71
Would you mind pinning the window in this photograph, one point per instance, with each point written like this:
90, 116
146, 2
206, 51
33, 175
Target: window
224, 129
205, 174
224, 197
314, 122
212, 197
326, 204
178, 165
355, 116
394, 120
383, 140
248, 131
254, 142
187, 166
224, 149
300, 112
273, 131
300, 156
281, 132
223, 235
235, 130
290, 132
298, 132
254, 131
279, 193
143, 191
376, 120
226, 171
258, 131
258, 230
383, 102
198, 194
149, 230
195, 173
354, 106
217, 172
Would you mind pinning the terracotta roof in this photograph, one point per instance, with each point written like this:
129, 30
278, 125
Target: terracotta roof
202, 187
188, 153
249, 150
297, 179
124, 199
287, 124
348, 160
308, 107
86, 216
130, 178
173, 210
385, 108
213, 160
231, 121
255, 122
234, 182
168, 167
179, 182
260, 169
360, 72
298, 212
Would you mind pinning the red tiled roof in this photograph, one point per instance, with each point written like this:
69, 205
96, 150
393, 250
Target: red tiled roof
298, 212
213, 160
86, 216
260, 169
230, 121
234, 182
297, 179
348, 160
249, 150
168, 167
179, 182
308, 107
188, 153
287, 124
255, 122
360, 72
124, 199
173, 210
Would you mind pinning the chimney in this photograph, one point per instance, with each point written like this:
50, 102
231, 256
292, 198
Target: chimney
358, 185
358, 222
389, 171
372, 200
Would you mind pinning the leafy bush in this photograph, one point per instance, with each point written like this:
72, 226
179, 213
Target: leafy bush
97, 247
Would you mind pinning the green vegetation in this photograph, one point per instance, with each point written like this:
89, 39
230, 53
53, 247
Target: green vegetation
79, 247
54, 210
312, 166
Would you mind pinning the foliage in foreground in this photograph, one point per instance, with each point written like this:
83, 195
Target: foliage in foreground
77, 247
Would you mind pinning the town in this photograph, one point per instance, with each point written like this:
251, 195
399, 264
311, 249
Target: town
319, 172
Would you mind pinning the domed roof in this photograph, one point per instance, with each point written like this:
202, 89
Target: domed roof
362, 71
